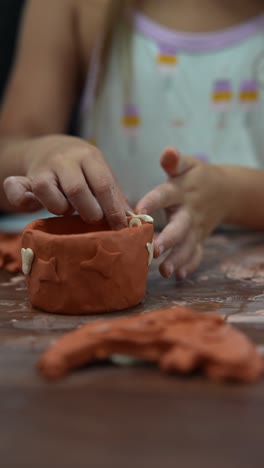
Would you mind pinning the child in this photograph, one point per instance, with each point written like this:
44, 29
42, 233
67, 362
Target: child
178, 72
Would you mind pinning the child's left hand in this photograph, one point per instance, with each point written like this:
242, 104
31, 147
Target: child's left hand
196, 200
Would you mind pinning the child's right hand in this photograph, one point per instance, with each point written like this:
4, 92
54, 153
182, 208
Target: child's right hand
64, 174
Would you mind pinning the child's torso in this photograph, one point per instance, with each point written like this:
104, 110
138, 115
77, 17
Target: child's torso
201, 93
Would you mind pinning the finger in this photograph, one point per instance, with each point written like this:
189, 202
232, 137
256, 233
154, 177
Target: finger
163, 196
174, 232
169, 161
192, 264
124, 200
174, 164
19, 194
179, 256
45, 189
75, 187
106, 191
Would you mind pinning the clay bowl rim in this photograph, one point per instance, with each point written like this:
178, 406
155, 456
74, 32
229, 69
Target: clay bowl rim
33, 227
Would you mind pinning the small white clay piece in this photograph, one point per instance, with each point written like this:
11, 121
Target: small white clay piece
137, 218
150, 249
135, 222
145, 217
27, 260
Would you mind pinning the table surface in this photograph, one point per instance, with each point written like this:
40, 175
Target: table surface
106, 416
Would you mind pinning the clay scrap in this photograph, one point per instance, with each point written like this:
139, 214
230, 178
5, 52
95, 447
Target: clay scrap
176, 339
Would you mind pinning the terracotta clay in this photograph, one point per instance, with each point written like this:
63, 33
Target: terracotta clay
78, 268
10, 247
177, 339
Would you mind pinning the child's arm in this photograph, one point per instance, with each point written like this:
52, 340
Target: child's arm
244, 196
198, 197
63, 173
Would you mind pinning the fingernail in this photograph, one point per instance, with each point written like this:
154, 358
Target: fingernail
30, 196
169, 270
160, 249
182, 274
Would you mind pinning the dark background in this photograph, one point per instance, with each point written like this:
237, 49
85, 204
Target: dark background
10, 12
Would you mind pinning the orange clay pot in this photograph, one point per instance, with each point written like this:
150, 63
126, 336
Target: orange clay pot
76, 268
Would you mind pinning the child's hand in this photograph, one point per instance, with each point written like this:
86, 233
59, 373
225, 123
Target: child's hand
195, 201
65, 174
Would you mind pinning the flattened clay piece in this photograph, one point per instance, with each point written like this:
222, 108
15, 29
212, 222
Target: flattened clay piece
10, 252
82, 268
177, 339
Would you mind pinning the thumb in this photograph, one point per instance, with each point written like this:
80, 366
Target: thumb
173, 163
19, 194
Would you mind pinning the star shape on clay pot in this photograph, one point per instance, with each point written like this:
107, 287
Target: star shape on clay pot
47, 270
102, 262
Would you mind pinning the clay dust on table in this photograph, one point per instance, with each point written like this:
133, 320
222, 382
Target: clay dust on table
247, 266
176, 339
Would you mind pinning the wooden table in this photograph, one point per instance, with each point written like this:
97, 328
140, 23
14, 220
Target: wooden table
106, 416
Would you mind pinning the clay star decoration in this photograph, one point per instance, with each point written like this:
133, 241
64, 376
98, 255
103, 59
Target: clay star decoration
47, 270
103, 262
